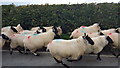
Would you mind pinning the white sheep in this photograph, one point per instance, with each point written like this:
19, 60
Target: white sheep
40, 40
37, 28
102, 32
109, 31
18, 28
3, 39
10, 31
115, 37
100, 43
17, 40
45, 29
83, 29
28, 32
2, 42
72, 49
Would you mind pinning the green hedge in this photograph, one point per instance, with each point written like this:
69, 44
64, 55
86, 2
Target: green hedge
67, 16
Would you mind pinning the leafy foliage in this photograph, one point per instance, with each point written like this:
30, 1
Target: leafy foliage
67, 16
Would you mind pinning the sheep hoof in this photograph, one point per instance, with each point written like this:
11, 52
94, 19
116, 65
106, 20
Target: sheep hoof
37, 55
99, 59
10, 53
20, 52
117, 56
26, 53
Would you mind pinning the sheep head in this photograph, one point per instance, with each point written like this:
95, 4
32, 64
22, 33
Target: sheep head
5, 37
43, 29
13, 29
55, 30
86, 37
110, 41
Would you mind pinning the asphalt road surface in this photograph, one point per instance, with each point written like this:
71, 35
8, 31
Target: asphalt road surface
45, 59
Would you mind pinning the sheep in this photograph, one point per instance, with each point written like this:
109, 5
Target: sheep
46, 28
17, 40
3, 38
18, 28
10, 31
102, 32
4, 29
100, 43
95, 34
90, 29
109, 31
40, 40
115, 37
72, 49
29, 32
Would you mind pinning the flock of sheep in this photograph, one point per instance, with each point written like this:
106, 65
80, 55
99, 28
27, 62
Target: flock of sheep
86, 40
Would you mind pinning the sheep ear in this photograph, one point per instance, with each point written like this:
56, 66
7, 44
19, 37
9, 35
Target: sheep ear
14, 30
18, 25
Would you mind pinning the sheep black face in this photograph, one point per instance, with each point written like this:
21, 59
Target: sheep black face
43, 29
5, 37
38, 32
56, 33
110, 41
14, 30
88, 39
117, 31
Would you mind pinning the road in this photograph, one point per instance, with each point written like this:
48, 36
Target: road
45, 59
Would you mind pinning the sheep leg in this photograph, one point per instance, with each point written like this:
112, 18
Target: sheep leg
117, 55
57, 60
111, 50
19, 51
11, 51
36, 54
71, 60
80, 57
34, 51
65, 65
113, 53
25, 50
61, 62
98, 56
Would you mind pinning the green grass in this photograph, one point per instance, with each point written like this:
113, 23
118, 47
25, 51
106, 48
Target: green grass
65, 36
